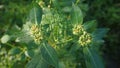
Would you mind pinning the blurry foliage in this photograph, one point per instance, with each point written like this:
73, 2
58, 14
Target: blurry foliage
13, 15
107, 14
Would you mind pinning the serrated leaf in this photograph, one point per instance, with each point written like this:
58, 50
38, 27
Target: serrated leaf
90, 26
92, 58
14, 51
49, 54
77, 16
35, 15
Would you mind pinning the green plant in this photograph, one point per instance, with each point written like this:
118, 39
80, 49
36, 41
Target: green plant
56, 38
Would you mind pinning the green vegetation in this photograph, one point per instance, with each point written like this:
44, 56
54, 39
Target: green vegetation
59, 34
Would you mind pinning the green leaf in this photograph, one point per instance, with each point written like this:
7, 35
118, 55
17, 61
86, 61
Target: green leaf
32, 45
14, 51
42, 64
37, 62
56, 3
90, 26
66, 9
76, 15
29, 53
18, 64
100, 33
35, 15
34, 62
24, 35
49, 54
61, 65
92, 58
5, 38
23, 57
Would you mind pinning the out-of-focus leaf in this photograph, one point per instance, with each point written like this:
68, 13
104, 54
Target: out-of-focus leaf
14, 51
18, 64
23, 38
92, 58
66, 9
23, 57
61, 65
77, 16
49, 54
14, 29
55, 3
66, 2
24, 35
90, 26
5, 38
35, 15
84, 7
100, 33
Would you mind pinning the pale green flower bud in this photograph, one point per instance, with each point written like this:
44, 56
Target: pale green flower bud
85, 39
78, 29
36, 33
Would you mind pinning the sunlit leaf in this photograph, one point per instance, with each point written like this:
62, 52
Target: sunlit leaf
5, 38
24, 35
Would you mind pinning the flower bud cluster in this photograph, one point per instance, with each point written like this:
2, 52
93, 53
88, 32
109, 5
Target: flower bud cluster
78, 30
84, 37
36, 33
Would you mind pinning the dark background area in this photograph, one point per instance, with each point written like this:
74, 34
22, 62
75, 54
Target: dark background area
105, 12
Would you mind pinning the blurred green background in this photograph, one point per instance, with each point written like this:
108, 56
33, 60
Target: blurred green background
105, 12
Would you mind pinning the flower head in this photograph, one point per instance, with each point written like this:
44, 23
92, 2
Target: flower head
85, 39
36, 33
78, 29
